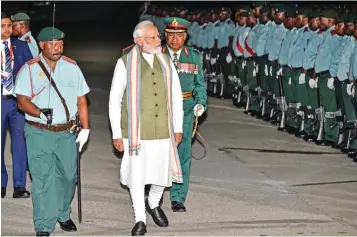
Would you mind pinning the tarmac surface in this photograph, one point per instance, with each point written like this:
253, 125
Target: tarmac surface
253, 181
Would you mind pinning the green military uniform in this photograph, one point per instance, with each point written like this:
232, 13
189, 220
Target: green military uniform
193, 86
52, 151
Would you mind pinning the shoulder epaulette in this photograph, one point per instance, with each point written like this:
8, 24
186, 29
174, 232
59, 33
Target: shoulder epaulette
164, 49
185, 49
230, 22
28, 39
320, 32
217, 24
333, 32
306, 29
67, 59
34, 60
127, 49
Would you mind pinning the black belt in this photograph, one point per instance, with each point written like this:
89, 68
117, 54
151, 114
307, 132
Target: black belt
322, 73
7, 97
297, 68
248, 59
345, 81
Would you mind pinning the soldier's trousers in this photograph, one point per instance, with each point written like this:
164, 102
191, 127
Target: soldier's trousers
224, 68
313, 103
251, 79
52, 158
206, 63
350, 103
178, 192
288, 90
274, 84
328, 101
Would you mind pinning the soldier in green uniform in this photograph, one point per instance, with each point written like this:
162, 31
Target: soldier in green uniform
51, 146
188, 62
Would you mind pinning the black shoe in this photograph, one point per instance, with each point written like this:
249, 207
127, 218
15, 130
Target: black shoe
355, 159
3, 192
178, 206
40, 233
157, 214
323, 143
345, 149
139, 229
300, 134
21, 193
352, 153
309, 138
68, 226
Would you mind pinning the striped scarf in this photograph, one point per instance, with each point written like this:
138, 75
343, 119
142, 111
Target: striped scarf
133, 99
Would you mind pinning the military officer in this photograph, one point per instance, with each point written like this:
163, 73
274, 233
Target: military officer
342, 72
325, 82
278, 33
353, 77
188, 63
21, 29
250, 67
224, 45
51, 147
343, 31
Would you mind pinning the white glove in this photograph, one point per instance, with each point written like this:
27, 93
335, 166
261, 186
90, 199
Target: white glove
213, 61
302, 78
213, 74
312, 83
244, 64
255, 72
198, 110
330, 83
266, 70
229, 58
230, 78
208, 56
82, 138
271, 71
349, 89
280, 72
43, 117
289, 83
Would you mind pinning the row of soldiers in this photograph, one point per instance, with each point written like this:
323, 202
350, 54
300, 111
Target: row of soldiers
293, 66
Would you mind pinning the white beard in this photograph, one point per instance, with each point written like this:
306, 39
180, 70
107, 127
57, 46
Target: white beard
155, 50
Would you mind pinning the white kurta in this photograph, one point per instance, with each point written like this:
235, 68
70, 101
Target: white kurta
153, 164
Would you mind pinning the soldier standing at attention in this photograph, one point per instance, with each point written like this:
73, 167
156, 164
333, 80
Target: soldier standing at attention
21, 29
325, 82
188, 62
51, 147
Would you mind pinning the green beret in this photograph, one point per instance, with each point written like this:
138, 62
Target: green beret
264, 10
250, 12
340, 19
244, 14
280, 9
350, 18
50, 33
258, 4
291, 12
243, 7
314, 14
20, 17
176, 25
329, 13
226, 9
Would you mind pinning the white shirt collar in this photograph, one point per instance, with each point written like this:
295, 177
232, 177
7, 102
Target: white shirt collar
8, 42
172, 53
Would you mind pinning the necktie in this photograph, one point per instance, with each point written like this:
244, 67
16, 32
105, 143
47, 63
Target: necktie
175, 60
8, 82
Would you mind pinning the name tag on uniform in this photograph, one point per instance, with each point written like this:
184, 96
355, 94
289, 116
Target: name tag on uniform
187, 68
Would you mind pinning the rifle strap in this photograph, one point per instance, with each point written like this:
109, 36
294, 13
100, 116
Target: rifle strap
55, 87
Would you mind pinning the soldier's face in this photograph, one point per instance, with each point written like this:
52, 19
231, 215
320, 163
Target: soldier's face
256, 12
349, 28
6, 28
17, 28
289, 22
323, 23
299, 21
252, 21
242, 20
223, 16
314, 23
340, 29
355, 31
52, 50
279, 17
176, 40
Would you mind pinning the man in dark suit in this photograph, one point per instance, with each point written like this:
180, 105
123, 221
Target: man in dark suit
14, 54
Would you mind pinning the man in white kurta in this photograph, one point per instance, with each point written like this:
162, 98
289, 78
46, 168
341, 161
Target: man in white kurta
153, 164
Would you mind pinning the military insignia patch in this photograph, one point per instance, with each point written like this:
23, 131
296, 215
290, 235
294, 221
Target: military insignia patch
174, 22
40, 75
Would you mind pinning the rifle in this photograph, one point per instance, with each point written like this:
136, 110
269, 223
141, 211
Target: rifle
79, 186
320, 116
282, 103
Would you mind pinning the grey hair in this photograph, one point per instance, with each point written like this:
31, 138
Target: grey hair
138, 30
